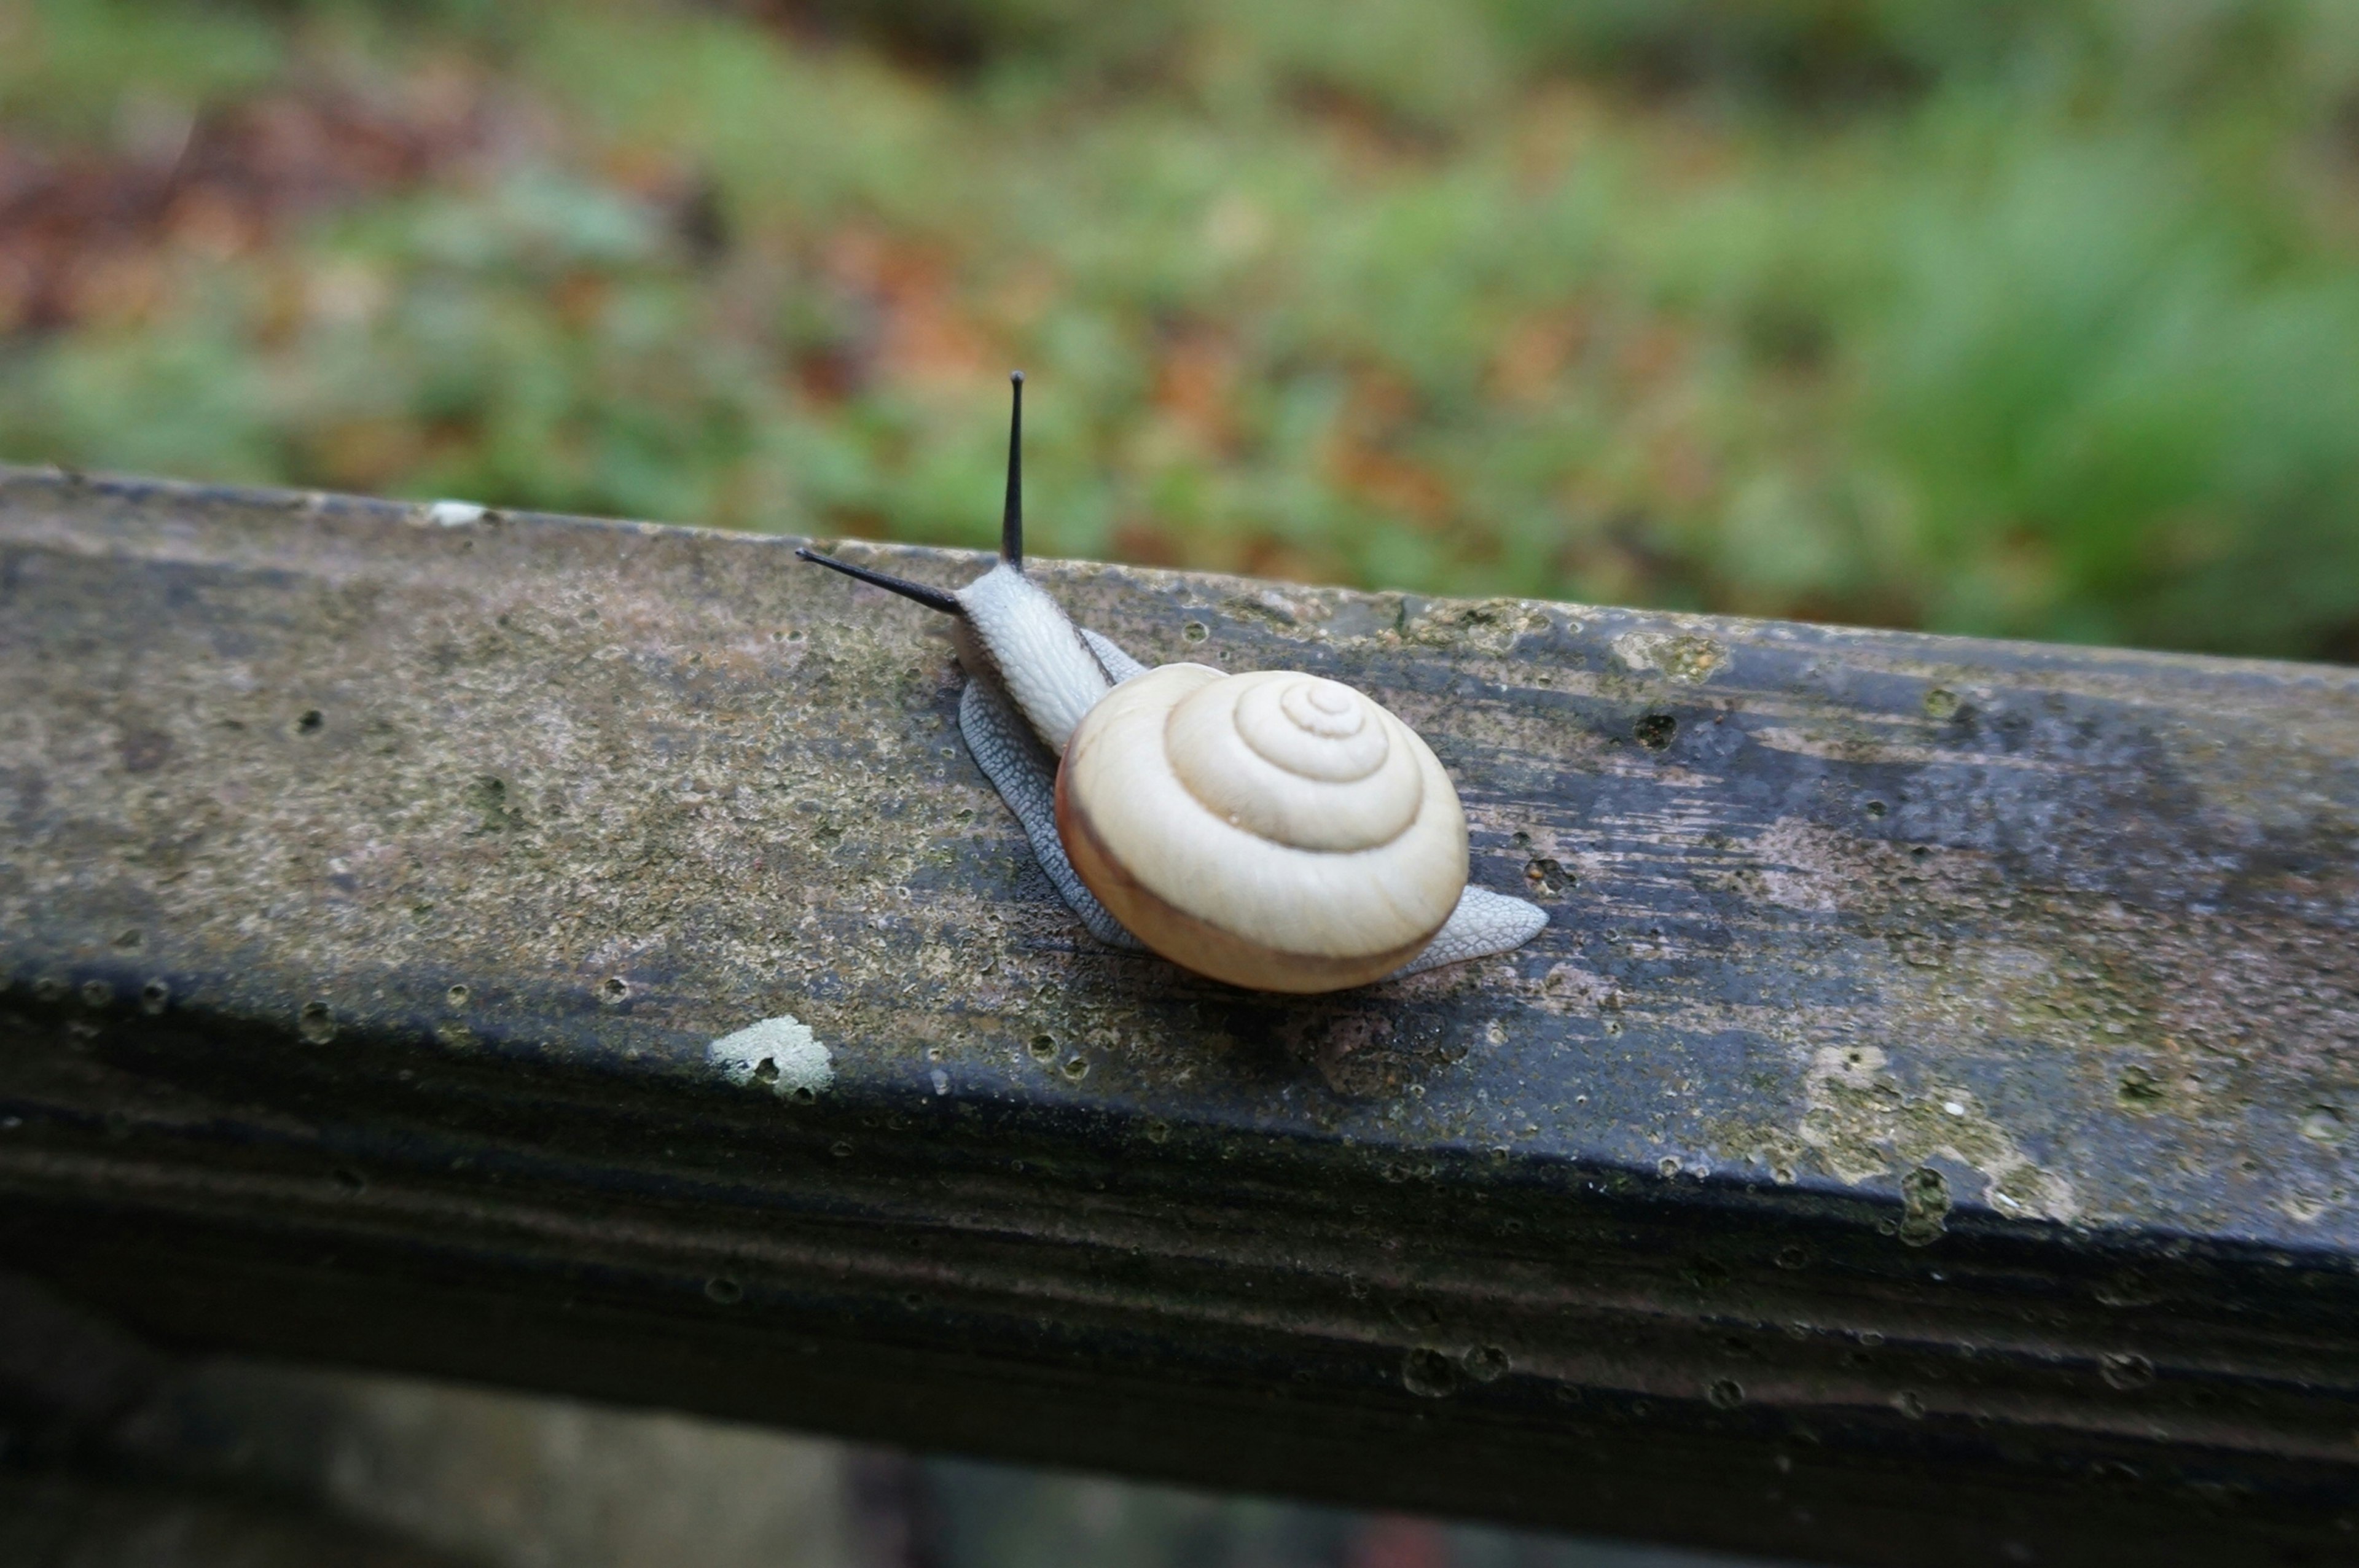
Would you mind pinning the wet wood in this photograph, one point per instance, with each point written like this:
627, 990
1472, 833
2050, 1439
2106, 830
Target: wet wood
1932, 1095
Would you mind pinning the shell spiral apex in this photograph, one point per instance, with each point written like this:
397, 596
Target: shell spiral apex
1275, 829
1295, 760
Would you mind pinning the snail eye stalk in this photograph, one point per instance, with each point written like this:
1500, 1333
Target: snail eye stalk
931, 598
1011, 521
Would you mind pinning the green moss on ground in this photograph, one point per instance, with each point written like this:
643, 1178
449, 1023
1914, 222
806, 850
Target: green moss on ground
2022, 320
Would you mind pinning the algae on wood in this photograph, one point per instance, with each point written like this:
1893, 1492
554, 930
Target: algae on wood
376, 879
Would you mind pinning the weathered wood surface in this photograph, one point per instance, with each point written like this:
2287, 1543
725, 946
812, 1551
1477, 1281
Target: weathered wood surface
1923, 1135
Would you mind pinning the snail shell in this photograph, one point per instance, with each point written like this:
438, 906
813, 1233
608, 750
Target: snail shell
1276, 830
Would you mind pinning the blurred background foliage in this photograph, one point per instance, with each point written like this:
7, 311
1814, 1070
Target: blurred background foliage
2031, 317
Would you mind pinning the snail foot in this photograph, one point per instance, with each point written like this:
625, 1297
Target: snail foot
1483, 925
1021, 770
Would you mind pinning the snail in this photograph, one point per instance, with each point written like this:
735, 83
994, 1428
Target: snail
1276, 830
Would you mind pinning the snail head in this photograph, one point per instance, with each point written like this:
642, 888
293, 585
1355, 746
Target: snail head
1009, 629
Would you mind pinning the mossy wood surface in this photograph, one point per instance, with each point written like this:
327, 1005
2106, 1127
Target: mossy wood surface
1924, 1134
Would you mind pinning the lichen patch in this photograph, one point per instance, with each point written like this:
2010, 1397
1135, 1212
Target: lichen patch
1686, 657
781, 1052
1862, 1124
1568, 988
1487, 626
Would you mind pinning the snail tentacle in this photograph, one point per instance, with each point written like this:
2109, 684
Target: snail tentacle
1003, 747
1011, 519
931, 598
1484, 923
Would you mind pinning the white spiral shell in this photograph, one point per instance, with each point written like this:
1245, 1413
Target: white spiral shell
1276, 830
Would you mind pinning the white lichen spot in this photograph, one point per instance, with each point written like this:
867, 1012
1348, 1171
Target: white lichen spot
454, 514
2303, 1207
780, 1053
1684, 657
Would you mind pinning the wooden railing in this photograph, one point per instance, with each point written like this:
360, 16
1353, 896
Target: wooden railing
1925, 1133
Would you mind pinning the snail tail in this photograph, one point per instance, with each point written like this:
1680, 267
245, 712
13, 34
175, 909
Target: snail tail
1484, 923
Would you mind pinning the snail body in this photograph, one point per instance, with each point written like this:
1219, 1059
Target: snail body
1276, 830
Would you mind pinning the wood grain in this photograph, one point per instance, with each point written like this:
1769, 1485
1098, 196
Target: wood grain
1938, 1077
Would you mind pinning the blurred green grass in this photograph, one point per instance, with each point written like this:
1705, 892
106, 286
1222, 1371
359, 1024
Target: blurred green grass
2011, 319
